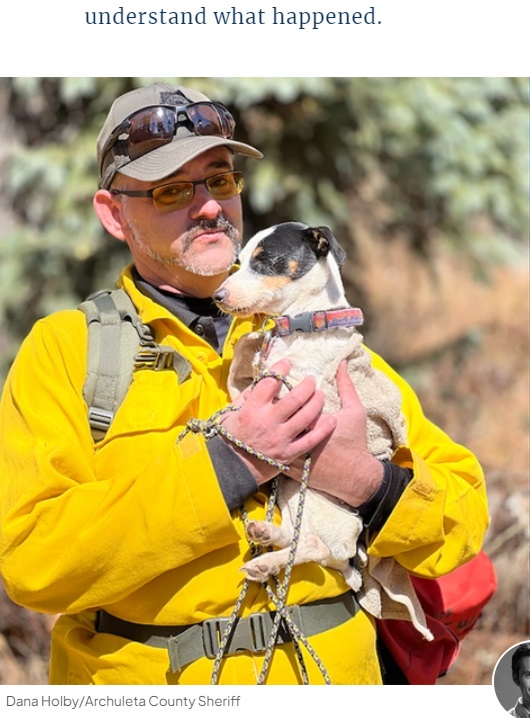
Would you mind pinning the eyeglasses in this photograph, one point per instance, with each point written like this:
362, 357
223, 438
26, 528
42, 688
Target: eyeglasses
177, 195
155, 126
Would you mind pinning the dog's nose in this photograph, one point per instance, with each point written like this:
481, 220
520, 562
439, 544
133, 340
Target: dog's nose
220, 295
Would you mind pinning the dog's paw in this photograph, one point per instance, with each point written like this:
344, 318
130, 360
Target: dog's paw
260, 532
259, 570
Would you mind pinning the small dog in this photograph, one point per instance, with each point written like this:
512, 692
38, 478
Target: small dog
293, 270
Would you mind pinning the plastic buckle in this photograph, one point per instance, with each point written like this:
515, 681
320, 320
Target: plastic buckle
100, 418
248, 634
154, 359
212, 631
258, 632
301, 323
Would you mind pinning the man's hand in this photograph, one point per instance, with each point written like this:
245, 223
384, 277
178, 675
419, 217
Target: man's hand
342, 465
281, 429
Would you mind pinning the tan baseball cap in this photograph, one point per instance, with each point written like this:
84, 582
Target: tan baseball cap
162, 161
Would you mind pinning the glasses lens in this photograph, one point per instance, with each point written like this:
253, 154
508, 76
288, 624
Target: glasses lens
226, 185
210, 118
149, 129
178, 195
173, 196
227, 121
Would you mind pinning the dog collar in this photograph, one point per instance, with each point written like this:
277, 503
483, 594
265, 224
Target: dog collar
317, 321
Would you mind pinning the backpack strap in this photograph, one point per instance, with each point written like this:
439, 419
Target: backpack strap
118, 345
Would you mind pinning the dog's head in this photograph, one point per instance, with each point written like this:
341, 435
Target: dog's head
284, 266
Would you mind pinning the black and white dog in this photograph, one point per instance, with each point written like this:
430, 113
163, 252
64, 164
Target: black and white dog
292, 272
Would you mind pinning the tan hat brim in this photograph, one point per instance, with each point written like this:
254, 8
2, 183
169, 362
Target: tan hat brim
166, 160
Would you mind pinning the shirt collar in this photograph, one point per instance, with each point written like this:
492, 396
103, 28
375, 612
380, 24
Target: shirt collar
185, 308
520, 710
202, 316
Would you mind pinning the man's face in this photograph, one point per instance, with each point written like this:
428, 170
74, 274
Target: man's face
524, 680
189, 249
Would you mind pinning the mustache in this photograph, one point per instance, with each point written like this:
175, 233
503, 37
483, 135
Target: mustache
220, 224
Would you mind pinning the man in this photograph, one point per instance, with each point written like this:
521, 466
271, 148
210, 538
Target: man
141, 536
521, 678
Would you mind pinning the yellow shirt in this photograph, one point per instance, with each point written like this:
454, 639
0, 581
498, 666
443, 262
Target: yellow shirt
138, 525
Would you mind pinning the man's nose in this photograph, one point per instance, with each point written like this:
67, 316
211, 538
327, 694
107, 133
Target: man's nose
204, 206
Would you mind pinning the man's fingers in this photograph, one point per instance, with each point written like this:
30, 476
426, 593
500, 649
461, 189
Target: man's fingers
319, 431
283, 428
268, 387
305, 417
297, 400
346, 388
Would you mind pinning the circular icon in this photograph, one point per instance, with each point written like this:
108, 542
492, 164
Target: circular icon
511, 680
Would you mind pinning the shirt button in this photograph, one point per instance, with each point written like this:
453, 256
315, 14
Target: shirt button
199, 329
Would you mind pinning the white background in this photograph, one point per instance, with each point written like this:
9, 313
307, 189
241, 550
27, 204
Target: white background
416, 37
263, 701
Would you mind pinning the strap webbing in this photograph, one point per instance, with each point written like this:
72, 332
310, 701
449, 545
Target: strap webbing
115, 337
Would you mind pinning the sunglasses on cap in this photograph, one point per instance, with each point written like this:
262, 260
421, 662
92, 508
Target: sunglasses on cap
155, 126
177, 195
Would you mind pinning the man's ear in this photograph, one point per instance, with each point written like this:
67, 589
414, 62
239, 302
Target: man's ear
323, 241
108, 211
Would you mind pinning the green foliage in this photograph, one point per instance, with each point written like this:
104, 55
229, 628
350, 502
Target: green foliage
430, 158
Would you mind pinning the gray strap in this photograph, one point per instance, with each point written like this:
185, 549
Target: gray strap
118, 344
112, 345
115, 344
186, 644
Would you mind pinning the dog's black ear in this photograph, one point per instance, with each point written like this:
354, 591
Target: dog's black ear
323, 241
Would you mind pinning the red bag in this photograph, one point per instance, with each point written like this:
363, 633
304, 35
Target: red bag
452, 606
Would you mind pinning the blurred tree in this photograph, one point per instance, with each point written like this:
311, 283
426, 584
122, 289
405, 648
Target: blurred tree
427, 159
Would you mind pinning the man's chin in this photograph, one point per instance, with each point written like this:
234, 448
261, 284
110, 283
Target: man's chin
211, 261
204, 267
221, 272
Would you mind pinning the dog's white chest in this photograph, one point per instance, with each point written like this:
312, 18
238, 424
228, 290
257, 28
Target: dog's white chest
316, 355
